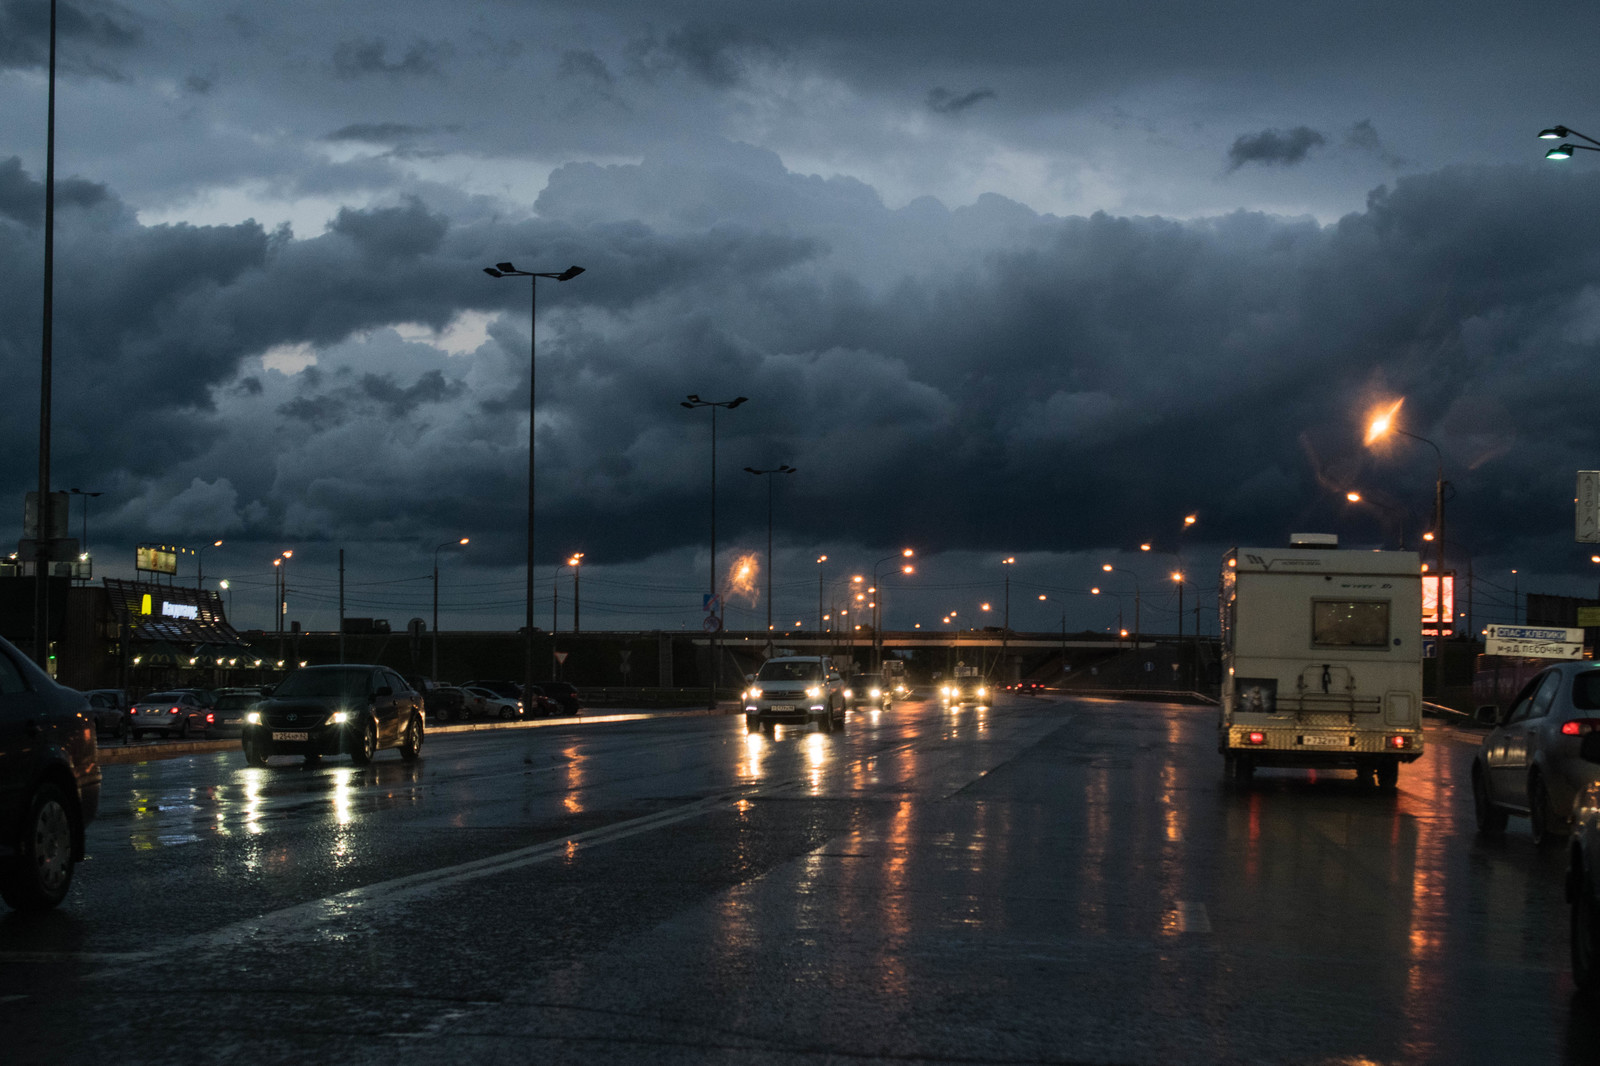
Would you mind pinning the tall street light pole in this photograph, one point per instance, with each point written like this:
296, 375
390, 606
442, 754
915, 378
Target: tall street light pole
41, 564
877, 600
1380, 427
200, 564
576, 562
783, 469
1005, 623
821, 611
713, 614
1108, 568
87, 496
463, 542
506, 270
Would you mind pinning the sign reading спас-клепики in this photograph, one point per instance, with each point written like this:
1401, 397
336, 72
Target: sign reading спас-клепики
1535, 642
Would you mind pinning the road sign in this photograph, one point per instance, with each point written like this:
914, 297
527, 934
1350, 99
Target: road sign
712, 623
1534, 642
561, 657
1588, 506
710, 602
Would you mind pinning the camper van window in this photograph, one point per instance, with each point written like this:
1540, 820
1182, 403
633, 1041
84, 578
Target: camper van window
1350, 623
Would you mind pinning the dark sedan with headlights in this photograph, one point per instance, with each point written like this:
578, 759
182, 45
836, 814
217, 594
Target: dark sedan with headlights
336, 710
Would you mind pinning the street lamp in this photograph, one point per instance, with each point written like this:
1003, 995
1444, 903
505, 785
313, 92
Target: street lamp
1565, 150
1108, 568
506, 270
783, 469
227, 587
448, 544
877, 600
575, 562
1383, 424
200, 564
87, 496
713, 622
281, 569
821, 610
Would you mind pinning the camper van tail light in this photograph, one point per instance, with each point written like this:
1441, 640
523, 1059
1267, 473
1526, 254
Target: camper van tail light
1398, 741
1257, 738
1579, 726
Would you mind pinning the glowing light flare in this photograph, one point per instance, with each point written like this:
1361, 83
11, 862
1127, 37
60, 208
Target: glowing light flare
1353, 497
1381, 424
743, 577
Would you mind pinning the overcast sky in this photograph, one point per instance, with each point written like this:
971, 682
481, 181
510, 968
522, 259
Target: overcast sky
1037, 283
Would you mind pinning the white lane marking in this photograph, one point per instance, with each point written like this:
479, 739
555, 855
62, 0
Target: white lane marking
305, 917
1192, 917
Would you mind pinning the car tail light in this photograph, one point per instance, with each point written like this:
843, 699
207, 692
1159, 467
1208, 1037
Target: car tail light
173, 711
1398, 741
210, 718
1579, 726
1257, 738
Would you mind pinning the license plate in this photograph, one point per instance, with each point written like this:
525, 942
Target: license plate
291, 736
1325, 742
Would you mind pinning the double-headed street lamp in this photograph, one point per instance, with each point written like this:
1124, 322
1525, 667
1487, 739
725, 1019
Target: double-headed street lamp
506, 270
783, 469
281, 608
463, 542
1565, 149
1108, 568
713, 612
877, 602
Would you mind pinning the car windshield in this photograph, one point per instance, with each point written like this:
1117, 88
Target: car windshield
326, 683
1586, 691
789, 670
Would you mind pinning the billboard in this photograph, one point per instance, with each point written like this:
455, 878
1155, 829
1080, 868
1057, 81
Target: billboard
1430, 603
155, 560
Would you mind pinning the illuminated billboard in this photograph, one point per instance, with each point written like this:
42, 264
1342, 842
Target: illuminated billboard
156, 560
1430, 604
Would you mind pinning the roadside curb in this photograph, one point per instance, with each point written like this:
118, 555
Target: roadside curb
123, 755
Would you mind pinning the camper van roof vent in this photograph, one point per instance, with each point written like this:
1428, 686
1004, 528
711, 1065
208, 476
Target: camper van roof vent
1313, 540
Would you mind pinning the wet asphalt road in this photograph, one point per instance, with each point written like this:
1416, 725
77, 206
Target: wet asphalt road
1044, 881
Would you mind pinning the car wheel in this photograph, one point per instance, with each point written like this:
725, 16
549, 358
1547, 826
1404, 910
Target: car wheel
38, 877
1585, 934
1387, 775
256, 752
1539, 811
411, 747
505, 712
183, 730
368, 746
1491, 819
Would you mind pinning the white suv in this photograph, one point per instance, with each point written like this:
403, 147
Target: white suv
795, 688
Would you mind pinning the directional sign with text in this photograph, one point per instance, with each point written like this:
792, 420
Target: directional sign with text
1535, 642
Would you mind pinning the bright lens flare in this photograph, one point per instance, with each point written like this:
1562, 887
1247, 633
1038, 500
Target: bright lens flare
743, 576
1382, 422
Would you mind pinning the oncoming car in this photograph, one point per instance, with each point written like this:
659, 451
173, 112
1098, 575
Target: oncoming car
966, 685
796, 688
336, 710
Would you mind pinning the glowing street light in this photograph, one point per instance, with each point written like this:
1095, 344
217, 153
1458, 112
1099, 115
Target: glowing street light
1108, 568
448, 544
1565, 150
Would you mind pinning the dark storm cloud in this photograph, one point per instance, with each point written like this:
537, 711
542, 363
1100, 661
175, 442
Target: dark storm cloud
718, 55
25, 34
1362, 137
1274, 147
945, 102
390, 233
22, 198
359, 59
378, 132
398, 400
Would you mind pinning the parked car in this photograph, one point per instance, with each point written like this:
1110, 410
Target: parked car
174, 713
540, 705
1530, 762
481, 703
109, 707
508, 690
563, 694
795, 688
49, 782
336, 710
231, 707
445, 702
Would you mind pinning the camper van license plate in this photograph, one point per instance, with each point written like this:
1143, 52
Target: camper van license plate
1325, 742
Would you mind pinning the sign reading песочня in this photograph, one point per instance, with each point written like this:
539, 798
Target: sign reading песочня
1534, 642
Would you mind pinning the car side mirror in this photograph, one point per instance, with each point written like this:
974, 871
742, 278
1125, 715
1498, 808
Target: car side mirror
1589, 748
1488, 714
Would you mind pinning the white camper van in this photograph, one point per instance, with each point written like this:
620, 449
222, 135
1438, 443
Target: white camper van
1321, 659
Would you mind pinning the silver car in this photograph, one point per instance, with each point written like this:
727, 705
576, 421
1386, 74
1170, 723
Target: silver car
1530, 763
795, 688
175, 713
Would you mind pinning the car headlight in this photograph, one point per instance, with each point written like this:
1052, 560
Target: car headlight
982, 691
339, 717
814, 692
849, 694
755, 692
253, 718
876, 693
